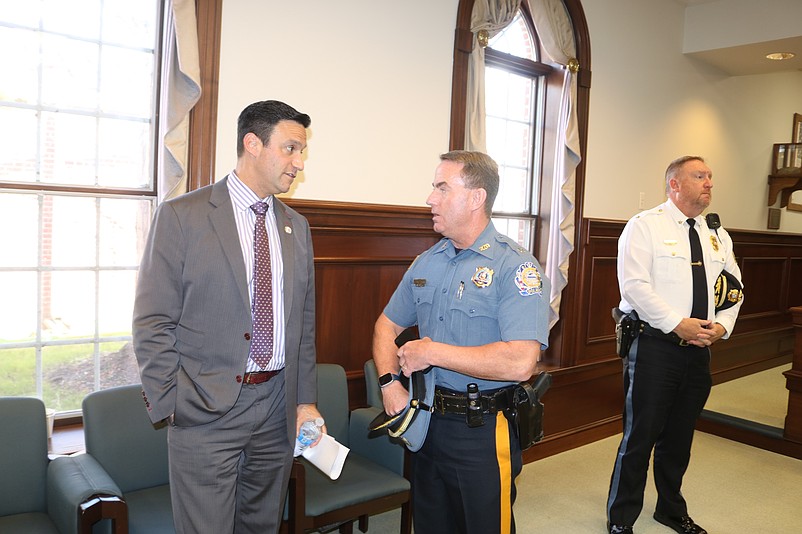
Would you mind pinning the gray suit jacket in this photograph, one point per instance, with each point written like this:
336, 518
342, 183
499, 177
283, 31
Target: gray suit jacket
192, 318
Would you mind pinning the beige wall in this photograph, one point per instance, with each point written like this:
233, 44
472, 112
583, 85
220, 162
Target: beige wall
376, 79
650, 103
375, 76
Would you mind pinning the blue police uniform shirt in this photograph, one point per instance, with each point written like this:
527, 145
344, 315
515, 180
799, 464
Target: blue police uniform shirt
493, 291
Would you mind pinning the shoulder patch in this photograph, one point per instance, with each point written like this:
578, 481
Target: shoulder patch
528, 279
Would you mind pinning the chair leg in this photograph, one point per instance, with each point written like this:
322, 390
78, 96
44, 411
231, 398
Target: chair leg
363, 523
406, 517
297, 499
347, 528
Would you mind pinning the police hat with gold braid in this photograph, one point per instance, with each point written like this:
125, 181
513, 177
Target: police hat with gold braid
727, 292
411, 425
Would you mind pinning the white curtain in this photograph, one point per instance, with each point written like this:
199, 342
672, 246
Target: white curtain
492, 16
553, 26
180, 91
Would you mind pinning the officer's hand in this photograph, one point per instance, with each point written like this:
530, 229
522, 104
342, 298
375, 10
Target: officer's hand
394, 397
414, 355
713, 332
695, 331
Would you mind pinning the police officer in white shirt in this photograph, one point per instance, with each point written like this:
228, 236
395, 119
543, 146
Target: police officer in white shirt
667, 368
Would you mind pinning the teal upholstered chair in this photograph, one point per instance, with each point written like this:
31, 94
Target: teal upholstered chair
39, 496
372, 480
372, 385
120, 436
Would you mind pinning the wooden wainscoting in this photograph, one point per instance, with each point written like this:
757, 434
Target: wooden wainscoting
361, 253
763, 338
363, 250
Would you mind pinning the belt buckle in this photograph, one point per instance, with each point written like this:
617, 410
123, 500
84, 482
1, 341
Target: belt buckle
683, 343
439, 402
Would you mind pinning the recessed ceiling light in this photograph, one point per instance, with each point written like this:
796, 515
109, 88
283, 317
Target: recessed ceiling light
779, 56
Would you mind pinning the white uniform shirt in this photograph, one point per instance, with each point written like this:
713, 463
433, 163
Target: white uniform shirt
654, 267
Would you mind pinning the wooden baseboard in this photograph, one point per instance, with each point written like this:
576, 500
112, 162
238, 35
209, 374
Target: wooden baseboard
749, 436
572, 439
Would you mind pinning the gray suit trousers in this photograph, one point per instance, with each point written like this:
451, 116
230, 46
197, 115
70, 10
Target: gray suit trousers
231, 475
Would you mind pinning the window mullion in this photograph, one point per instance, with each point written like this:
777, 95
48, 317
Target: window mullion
76, 166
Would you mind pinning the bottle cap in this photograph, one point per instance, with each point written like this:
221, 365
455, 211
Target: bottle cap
319, 421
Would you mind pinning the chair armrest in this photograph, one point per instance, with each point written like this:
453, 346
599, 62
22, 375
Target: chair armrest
71, 481
378, 448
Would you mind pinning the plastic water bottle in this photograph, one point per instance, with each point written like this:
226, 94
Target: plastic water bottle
310, 431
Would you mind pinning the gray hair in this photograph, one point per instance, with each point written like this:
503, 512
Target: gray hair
675, 166
479, 171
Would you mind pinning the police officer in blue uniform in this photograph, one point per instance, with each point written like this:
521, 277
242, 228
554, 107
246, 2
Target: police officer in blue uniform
480, 302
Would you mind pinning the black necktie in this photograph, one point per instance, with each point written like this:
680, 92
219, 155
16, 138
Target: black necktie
699, 310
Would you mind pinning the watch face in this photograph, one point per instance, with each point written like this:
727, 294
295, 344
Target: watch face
386, 379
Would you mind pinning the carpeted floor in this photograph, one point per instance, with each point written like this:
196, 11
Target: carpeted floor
731, 488
760, 397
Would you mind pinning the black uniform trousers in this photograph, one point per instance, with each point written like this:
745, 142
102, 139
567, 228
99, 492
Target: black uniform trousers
463, 479
665, 386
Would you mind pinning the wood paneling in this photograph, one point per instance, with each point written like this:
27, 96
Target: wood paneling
769, 263
793, 377
363, 250
795, 283
763, 337
361, 253
597, 293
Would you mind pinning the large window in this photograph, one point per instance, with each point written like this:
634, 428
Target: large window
77, 160
514, 96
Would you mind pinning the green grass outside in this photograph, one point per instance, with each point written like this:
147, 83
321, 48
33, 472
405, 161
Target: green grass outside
68, 372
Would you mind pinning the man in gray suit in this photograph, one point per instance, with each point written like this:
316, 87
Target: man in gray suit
233, 406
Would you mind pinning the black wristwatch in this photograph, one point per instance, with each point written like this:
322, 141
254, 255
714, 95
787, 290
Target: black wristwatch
387, 379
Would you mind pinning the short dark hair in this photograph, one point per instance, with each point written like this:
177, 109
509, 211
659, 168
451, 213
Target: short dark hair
261, 118
478, 171
674, 167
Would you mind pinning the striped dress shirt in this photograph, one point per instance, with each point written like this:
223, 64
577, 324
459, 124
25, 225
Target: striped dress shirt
242, 198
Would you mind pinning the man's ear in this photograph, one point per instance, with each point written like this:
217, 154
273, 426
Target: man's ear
251, 143
478, 197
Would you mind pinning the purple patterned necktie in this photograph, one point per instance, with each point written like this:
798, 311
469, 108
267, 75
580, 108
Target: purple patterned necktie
262, 343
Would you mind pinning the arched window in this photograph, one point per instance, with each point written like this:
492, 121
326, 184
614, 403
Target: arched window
514, 99
532, 210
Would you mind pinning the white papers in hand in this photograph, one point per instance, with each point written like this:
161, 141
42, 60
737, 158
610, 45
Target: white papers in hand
328, 456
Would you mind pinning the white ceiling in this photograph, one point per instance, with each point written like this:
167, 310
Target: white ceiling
749, 57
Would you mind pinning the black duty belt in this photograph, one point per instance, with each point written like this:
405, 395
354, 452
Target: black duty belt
449, 401
671, 337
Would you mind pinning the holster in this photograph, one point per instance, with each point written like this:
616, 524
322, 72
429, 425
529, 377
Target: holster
628, 327
525, 411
